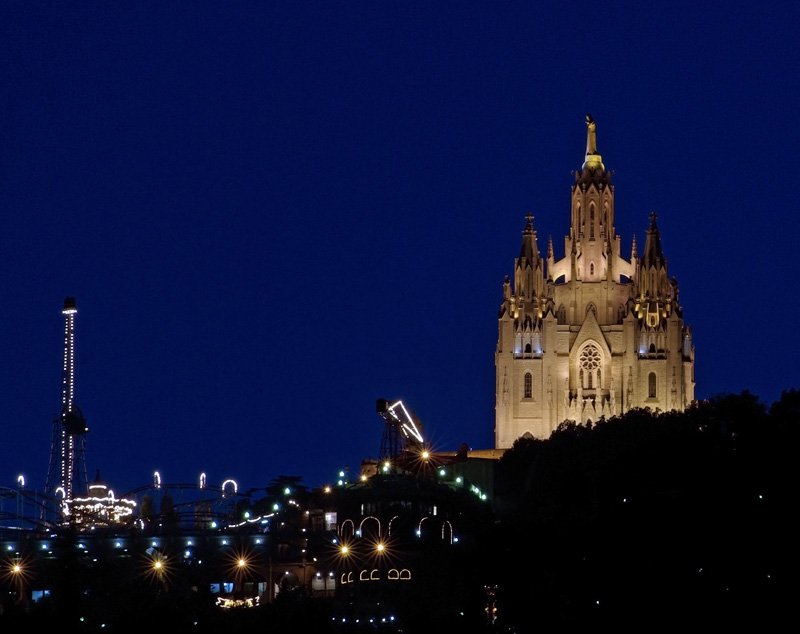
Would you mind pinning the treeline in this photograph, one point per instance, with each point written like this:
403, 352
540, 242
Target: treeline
652, 517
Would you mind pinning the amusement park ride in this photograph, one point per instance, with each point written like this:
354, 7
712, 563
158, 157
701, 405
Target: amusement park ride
402, 432
403, 446
67, 471
70, 501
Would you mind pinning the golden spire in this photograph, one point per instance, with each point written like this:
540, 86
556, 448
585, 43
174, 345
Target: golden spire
593, 159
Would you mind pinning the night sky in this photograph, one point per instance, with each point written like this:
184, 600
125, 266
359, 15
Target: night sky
273, 213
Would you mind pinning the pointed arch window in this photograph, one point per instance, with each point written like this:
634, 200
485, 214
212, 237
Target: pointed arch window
528, 385
590, 362
591, 269
591, 222
651, 385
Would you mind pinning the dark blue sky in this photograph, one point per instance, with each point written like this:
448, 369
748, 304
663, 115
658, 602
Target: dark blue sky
272, 214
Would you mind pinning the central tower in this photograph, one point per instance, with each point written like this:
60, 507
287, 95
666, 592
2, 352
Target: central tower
592, 334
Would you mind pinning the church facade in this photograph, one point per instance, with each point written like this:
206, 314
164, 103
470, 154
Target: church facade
592, 334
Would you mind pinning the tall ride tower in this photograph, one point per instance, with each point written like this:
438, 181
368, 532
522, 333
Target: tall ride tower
67, 471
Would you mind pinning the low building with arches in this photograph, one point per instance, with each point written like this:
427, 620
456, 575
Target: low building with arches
592, 334
402, 534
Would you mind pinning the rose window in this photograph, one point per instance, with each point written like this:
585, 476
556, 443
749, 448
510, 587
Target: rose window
590, 362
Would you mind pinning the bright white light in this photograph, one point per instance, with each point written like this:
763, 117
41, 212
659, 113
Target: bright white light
227, 482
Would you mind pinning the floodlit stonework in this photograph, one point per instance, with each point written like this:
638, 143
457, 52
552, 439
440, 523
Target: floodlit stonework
592, 334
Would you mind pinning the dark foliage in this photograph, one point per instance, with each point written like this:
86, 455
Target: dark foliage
653, 517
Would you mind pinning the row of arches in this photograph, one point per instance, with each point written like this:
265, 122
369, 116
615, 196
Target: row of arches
371, 526
393, 574
621, 313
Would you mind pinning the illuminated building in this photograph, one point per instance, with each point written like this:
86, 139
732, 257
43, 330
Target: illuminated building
592, 334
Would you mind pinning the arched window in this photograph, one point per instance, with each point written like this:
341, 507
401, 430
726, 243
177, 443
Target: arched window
591, 222
528, 385
528, 349
590, 361
591, 269
651, 385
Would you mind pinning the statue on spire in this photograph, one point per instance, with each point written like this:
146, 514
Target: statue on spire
591, 137
593, 159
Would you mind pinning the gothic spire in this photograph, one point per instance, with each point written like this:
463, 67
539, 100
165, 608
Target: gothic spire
653, 254
529, 252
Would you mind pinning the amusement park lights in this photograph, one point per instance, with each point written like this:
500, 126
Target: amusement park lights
99, 508
232, 483
156, 567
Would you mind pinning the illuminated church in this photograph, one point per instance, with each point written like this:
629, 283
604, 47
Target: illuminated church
592, 334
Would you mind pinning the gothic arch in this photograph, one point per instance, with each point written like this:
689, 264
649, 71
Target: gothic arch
590, 366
